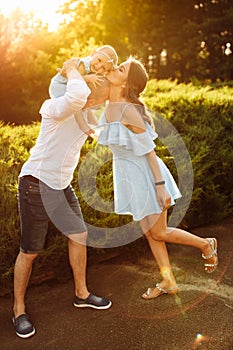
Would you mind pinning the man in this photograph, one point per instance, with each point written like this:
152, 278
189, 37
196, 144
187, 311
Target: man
45, 194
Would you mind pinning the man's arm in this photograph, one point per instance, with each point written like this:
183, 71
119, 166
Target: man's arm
75, 96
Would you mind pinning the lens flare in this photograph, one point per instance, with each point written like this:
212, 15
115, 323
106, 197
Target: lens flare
200, 339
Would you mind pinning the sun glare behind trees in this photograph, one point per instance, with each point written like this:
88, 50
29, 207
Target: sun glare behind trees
181, 40
43, 10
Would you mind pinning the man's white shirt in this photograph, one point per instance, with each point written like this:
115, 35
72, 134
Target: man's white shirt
56, 153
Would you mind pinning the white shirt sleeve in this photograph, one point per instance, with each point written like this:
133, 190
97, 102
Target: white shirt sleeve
74, 99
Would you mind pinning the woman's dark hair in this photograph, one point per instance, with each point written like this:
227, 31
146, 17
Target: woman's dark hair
136, 83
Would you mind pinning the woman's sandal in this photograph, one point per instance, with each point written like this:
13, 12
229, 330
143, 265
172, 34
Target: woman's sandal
209, 268
171, 290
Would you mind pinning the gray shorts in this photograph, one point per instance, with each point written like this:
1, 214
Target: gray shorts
38, 205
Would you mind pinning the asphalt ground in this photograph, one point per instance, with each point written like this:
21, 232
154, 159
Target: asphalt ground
199, 317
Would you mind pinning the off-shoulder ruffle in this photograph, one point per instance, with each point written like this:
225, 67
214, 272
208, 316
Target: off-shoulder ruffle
115, 133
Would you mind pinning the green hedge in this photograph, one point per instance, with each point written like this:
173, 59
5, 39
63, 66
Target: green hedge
201, 115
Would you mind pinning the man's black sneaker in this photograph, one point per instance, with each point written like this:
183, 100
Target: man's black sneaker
23, 327
93, 302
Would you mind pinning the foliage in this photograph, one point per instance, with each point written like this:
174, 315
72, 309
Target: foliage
203, 116
24, 60
30, 53
15, 145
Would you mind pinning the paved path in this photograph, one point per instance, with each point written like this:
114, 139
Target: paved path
199, 317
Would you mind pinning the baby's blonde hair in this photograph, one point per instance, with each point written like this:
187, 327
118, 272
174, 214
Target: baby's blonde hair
110, 53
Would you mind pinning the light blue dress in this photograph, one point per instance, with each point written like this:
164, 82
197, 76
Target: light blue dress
134, 184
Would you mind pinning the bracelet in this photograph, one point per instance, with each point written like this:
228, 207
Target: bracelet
160, 183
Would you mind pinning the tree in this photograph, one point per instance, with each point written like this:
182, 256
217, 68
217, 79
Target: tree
215, 20
24, 67
81, 21
175, 39
191, 33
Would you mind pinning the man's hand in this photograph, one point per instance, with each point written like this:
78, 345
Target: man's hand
68, 65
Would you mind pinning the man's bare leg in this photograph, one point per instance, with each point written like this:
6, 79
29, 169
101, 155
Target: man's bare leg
22, 273
23, 267
78, 261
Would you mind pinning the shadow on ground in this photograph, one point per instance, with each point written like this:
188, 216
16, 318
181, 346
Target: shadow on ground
199, 317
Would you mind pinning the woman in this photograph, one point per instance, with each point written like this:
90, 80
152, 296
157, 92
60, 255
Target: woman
143, 186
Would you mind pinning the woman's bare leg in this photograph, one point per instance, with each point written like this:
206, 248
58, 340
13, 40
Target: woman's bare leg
159, 251
160, 232
157, 233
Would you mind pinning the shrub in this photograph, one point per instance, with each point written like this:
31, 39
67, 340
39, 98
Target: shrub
203, 116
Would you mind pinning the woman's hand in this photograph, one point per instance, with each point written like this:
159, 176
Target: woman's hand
163, 197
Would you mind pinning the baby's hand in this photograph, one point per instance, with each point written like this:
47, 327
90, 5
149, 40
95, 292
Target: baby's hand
95, 79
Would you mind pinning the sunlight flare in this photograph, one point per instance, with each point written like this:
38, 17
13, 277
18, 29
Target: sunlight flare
42, 10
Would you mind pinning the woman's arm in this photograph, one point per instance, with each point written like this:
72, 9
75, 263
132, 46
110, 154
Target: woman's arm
132, 119
154, 165
162, 195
